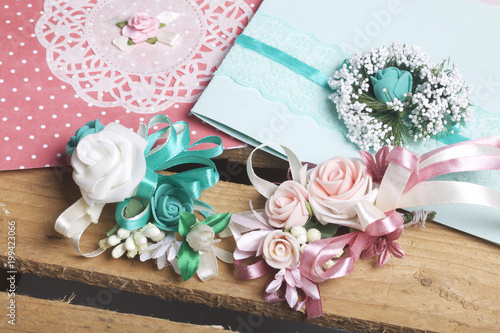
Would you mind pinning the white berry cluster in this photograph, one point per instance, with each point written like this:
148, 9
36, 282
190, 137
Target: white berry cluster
438, 101
132, 242
305, 236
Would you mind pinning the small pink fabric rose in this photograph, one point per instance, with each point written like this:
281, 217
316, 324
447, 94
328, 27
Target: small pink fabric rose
140, 27
281, 250
286, 208
335, 186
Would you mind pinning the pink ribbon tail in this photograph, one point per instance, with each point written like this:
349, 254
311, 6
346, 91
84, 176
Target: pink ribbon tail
252, 271
314, 307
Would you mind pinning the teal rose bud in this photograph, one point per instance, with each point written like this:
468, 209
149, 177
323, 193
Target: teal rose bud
91, 127
391, 83
169, 199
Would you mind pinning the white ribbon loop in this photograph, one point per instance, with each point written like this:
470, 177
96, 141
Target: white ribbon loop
367, 213
266, 188
208, 262
73, 222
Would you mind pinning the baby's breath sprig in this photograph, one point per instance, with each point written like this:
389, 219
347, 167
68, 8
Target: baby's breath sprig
393, 95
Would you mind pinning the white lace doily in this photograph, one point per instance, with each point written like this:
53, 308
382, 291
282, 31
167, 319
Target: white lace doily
78, 38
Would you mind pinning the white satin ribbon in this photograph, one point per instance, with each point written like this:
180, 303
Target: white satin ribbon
266, 188
391, 190
392, 187
209, 267
75, 220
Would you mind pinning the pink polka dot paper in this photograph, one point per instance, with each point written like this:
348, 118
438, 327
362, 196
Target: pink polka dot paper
42, 107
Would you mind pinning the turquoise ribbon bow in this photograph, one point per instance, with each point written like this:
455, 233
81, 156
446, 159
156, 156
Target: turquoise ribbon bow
182, 190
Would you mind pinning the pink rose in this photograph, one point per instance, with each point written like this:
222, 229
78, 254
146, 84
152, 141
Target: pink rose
281, 250
140, 27
287, 208
335, 186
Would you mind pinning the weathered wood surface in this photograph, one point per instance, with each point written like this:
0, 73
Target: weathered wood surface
448, 281
39, 315
261, 159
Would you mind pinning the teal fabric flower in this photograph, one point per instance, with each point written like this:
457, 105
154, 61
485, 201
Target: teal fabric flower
390, 83
170, 198
91, 127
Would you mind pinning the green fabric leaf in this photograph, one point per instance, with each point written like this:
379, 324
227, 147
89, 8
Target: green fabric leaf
186, 221
130, 42
133, 208
188, 260
327, 231
162, 25
218, 222
152, 40
113, 231
121, 24
309, 209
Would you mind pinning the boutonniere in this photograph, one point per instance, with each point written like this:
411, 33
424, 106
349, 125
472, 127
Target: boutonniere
197, 253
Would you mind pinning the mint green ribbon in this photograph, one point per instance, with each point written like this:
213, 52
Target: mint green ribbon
187, 258
134, 213
283, 58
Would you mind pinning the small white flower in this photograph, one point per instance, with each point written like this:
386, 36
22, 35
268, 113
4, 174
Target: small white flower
201, 237
164, 251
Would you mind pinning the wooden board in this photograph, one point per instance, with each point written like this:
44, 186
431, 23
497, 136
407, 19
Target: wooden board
39, 315
448, 281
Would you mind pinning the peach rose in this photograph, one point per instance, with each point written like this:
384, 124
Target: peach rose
286, 208
281, 250
335, 186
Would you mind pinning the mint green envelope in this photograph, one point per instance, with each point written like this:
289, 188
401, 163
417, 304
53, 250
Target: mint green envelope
257, 100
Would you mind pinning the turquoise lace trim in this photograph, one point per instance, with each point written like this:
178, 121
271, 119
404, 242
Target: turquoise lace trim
301, 96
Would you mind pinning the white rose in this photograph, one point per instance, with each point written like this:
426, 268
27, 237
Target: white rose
109, 165
201, 237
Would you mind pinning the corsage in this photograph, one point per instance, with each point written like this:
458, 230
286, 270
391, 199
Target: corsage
318, 224
112, 164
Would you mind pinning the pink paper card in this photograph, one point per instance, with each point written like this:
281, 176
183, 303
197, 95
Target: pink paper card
59, 69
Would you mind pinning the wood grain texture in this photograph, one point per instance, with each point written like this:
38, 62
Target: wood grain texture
40, 315
261, 159
448, 281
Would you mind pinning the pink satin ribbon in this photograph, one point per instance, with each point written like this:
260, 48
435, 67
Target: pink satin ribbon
319, 252
252, 271
411, 161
